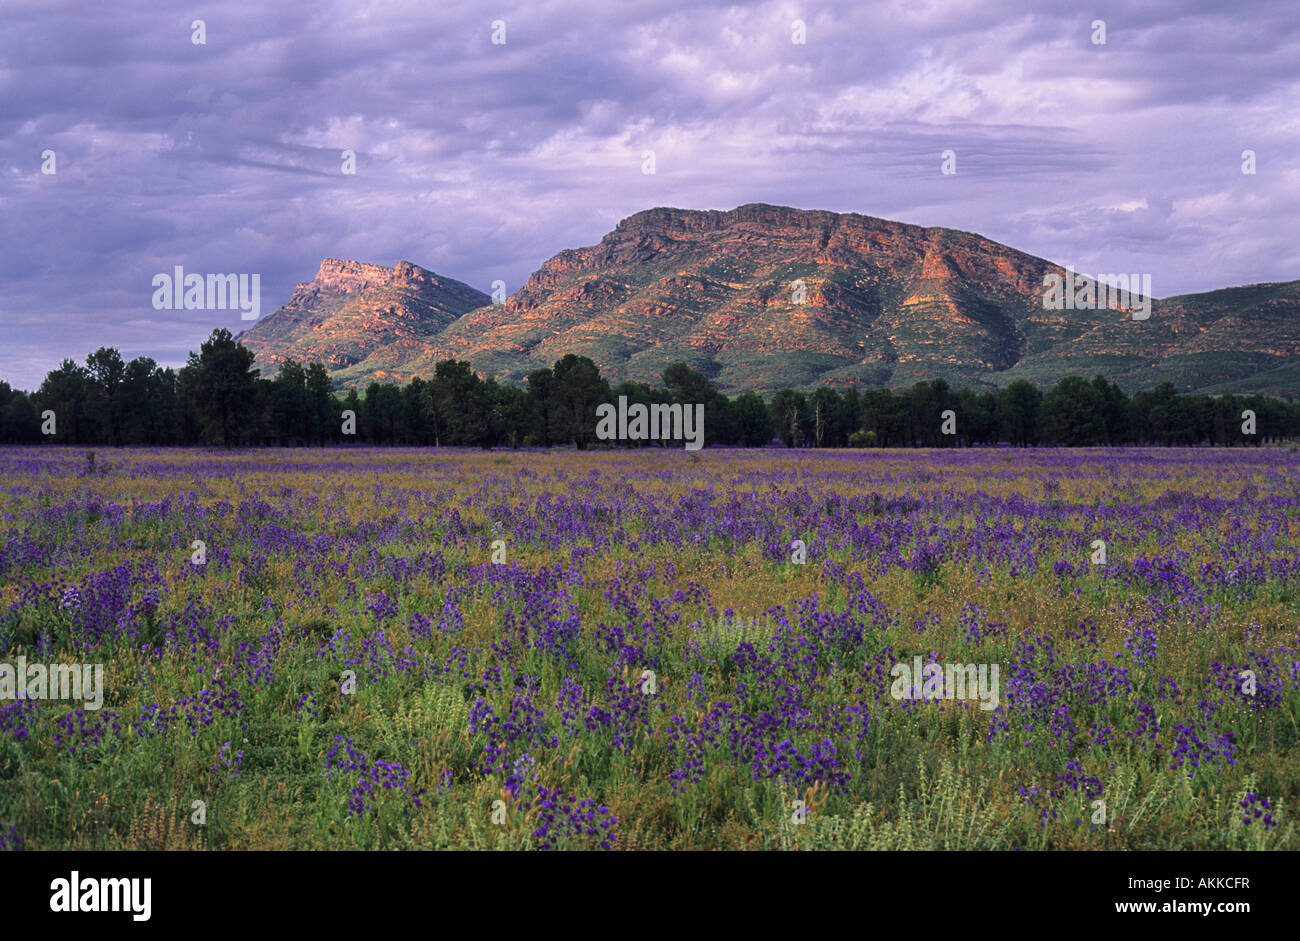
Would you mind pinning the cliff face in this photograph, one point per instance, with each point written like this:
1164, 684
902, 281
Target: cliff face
882, 302
352, 314
762, 297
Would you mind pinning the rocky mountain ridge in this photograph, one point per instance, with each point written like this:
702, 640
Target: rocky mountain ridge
764, 297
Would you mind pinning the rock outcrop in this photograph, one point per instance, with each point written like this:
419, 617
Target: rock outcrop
764, 297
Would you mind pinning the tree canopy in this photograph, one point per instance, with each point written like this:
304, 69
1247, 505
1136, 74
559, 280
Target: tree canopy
218, 398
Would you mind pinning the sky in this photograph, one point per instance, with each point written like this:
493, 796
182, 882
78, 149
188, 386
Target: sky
480, 159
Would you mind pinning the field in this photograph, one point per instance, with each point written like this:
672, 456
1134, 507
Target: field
627, 650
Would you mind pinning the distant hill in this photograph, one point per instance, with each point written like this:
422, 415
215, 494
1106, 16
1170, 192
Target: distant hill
885, 304
362, 318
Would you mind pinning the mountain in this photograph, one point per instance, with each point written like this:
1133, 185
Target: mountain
885, 304
361, 319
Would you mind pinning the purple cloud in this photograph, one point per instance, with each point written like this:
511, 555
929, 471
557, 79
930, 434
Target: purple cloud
480, 161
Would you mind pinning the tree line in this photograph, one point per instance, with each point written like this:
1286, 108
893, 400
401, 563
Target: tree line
218, 398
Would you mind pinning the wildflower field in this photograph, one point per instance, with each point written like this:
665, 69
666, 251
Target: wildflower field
422, 648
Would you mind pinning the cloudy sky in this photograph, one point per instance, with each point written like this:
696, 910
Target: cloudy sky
480, 160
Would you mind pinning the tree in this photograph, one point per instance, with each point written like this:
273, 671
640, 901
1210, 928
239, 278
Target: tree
978, 413
19, 423
351, 403
452, 393
688, 387
941, 399
788, 413
486, 414
923, 408
1018, 412
639, 393
1114, 406
218, 398
826, 418
381, 413
542, 404
290, 406
847, 406
752, 422
107, 373
416, 404
579, 388
66, 392
149, 409
1072, 413
321, 405
514, 409
220, 385
1158, 411
881, 412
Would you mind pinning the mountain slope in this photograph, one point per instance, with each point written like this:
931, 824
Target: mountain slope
715, 289
361, 318
886, 303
